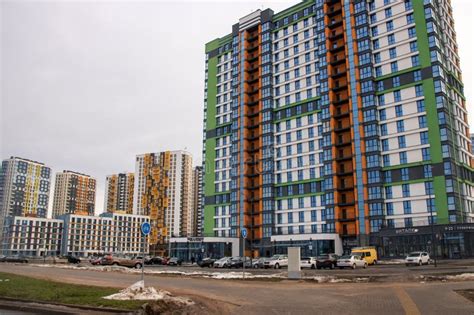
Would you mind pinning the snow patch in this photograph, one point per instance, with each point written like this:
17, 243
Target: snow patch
391, 262
332, 279
138, 291
461, 277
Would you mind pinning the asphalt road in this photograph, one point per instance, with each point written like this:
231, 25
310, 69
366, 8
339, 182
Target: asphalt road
285, 297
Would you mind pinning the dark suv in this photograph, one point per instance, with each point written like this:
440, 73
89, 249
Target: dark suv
326, 261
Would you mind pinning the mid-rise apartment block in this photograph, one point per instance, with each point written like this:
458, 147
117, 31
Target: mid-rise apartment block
119, 193
74, 193
163, 191
71, 234
332, 120
31, 236
24, 188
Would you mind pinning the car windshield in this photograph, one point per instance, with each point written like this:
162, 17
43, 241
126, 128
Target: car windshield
413, 254
346, 257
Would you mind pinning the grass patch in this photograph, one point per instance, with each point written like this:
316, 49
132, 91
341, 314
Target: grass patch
27, 288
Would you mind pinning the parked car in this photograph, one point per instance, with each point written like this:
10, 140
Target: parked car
157, 260
276, 261
175, 261
351, 261
417, 258
222, 263
2, 258
206, 262
15, 259
308, 262
368, 253
238, 262
121, 261
73, 259
326, 261
259, 263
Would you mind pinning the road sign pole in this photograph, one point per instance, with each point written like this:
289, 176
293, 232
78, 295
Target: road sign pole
243, 235
143, 259
243, 265
145, 229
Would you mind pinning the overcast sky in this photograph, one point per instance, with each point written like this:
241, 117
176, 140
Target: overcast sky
87, 85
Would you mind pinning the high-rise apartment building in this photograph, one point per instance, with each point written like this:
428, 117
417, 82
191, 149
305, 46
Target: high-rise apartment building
197, 201
163, 191
119, 193
24, 188
332, 120
74, 193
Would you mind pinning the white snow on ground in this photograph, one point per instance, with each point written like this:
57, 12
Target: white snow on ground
331, 279
391, 262
461, 277
138, 291
205, 274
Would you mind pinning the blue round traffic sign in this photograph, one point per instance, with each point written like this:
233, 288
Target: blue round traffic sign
243, 232
146, 228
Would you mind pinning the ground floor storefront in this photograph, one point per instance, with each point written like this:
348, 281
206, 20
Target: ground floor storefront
450, 241
198, 248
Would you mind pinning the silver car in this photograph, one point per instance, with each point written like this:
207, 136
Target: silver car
351, 261
223, 262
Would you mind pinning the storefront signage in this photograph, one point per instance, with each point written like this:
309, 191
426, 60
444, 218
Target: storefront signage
407, 231
459, 228
195, 239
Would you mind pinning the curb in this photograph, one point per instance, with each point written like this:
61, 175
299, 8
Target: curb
72, 306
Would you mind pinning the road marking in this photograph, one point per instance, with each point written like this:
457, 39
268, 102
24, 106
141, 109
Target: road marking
406, 301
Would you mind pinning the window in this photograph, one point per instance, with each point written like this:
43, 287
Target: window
402, 142
400, 126
404, 173
391, 39
413, 47
388, 192
422, 121
424, 137
410, 18
419, 90
389, 25
429, 190
411, 32
393, 52
403, 157
389, 208
396, 81
407, 207
406, 190
397, 96
394, 66
420, 106
415, 61
399, 110
388, 12
425, 152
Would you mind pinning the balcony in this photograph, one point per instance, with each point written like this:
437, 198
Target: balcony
340, 114
336, 61
339, 87
336, 48
340, 101
335, 23
335, 10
